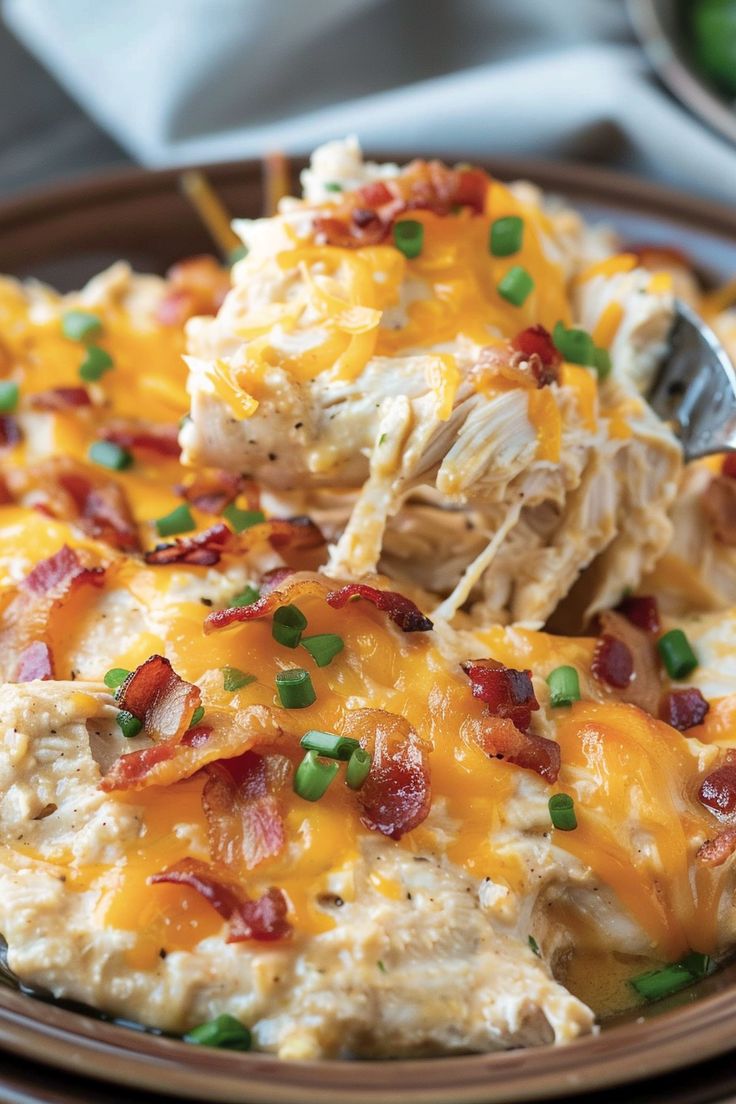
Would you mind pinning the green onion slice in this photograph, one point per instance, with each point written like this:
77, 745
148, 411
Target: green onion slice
333, 186
79, 325
575, 346
359, 765
562, 812
9, 395
115, 677
129, 725
677, 654
294, 688
246, 597
288, 625
655, 984
197, 716
516, 286
233, 679
96, 362
329, 744
180, 520
409, 237
506, 235
534, 946
109, 455
240, 520
602, 363
564, 686
323, 647
224, 1031
312, 777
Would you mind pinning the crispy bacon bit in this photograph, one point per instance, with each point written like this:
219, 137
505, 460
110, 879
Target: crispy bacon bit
683, 709
396, 795
224, 736
719, 505
299, 533
35, 662
197, 285
536, 346
55, 576
642, 611
275, 578
263, 920
714, 852
140, 436
243, 819
718, 791
728, 465
202, 550
625, 662
213, 489
156, 695
506, 692
500, 738
402, 611
366, 216
61, 398
10, 432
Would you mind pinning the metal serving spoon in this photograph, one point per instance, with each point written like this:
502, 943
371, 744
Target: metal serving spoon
695, 389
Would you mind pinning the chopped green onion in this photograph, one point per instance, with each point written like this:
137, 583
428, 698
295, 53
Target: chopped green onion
562, 812
180, 520
9, 395
655, 984
381, 966
312, 777
237, 254
506, 235
516, 285
564, 686
602, 363
575, 346
224, 1031
329, 744
246, 597
333, 186
109, 455
677, 655
359, 766
233, 679
115, 677
409, 237
700, 965
534, 946
242, 519
96, 362
197, 716
383, 439
295, 689
79, 325
323, 647
288, 625
129, 725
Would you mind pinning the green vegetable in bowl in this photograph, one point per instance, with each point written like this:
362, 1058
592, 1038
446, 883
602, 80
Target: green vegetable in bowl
714, 40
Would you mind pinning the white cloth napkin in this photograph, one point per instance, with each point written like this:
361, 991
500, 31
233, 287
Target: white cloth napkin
178, 81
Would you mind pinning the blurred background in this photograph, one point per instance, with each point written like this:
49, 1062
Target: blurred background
87, 86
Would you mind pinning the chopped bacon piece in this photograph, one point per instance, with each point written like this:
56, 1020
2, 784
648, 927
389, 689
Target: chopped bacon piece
714, 852
718, 791
140, 436
213, 489
202, 550
506, 692
374, 195
719, 505
56, 575
223, 737
500, 738
536, 346
364, 228
156, 695
35, 662
728, 465
61, 398
402, 611
274, 578
10, 432
197, 285
243, 819
625, 662
683, 709
298, 533
642, 611
396, 795
295, 590
263, 920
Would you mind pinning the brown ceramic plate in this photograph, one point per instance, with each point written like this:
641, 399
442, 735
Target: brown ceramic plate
66, 235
